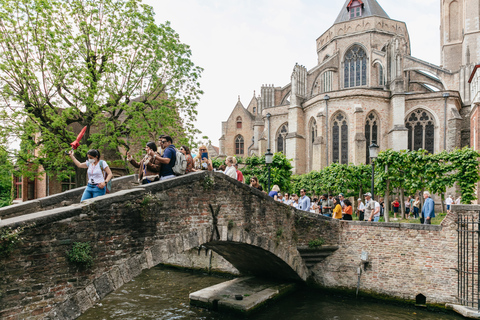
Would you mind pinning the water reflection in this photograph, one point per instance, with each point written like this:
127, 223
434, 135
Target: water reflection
162, 293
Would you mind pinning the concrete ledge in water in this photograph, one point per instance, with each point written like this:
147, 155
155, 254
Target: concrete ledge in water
467, 312
254, 292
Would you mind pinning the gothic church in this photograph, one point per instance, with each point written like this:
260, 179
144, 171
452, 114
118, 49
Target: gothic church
365, 87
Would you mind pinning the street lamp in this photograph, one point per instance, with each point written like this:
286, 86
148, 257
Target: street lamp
445, 96
326, 98
268, 155
373, 151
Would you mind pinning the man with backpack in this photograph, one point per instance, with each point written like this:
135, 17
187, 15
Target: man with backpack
173, 161
168, 158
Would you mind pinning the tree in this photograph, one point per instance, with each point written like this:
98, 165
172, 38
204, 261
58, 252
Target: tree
103, 64
6, 169
280, 170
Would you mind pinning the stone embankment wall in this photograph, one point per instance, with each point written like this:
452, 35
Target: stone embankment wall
135, 229
61, 199
404, 260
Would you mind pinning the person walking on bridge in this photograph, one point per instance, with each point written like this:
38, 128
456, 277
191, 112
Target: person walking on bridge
168, 158
149, 166
96, 184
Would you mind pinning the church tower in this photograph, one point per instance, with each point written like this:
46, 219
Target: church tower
459, 40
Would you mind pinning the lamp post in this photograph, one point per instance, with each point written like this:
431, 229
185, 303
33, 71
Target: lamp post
445, 96
268, 155
373, 151
326, 98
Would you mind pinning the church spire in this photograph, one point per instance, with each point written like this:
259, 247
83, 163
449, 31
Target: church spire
353, 9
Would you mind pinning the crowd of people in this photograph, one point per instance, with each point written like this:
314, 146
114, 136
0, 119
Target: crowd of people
158, 164
338, 207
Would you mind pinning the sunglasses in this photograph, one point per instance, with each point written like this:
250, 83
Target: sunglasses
182, 149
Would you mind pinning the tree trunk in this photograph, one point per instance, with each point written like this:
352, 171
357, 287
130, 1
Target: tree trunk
421, 197
386, 201
443, 202
402, 204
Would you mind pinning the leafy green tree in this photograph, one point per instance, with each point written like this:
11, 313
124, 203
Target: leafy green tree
102, 64
6, 169
280, 170
465, 170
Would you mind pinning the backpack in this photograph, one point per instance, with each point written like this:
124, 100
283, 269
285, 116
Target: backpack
180, 163
109, 183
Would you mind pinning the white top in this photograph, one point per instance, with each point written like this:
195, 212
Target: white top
377, 206
448, 200
94, 172
457, 201
361, 206
231, 172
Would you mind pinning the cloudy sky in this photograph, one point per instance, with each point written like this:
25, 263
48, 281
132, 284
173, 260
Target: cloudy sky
243, 44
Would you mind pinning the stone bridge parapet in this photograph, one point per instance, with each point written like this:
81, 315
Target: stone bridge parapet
131, 230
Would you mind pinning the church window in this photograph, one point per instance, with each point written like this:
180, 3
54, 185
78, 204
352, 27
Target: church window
327, 81
239, 145
239, 122
355, 8
313, 130
355, 67
282, 138
254, 110
421, 130
380, 75
371, 132
340, 139
454, 21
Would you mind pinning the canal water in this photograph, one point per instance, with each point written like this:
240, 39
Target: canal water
162, 293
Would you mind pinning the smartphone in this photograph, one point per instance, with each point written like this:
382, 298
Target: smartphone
204, 155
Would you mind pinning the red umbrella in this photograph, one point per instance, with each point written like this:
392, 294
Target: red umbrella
76, 143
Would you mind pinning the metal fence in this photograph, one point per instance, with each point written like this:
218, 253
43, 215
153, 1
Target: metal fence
468, 254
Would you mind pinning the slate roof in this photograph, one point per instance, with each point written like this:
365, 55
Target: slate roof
370, 8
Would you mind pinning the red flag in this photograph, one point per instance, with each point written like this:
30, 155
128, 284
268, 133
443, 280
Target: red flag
76, 143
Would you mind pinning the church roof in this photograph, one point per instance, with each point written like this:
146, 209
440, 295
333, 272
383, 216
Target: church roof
370, 8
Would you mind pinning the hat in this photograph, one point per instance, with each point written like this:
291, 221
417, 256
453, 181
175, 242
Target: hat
359, 199
367, 194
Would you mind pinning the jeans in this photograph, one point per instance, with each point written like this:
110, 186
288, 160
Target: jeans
375, 219
167, 177
327, 215
93, 191
415, 211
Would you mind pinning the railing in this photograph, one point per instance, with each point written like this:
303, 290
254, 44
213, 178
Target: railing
468, 255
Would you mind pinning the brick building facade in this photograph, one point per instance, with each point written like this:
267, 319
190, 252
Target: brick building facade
366, 87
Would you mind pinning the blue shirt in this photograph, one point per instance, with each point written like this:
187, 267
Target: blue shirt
304, 203
166, 169
428, 209
273, 194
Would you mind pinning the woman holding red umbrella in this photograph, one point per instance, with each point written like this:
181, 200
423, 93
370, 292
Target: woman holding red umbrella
95, 170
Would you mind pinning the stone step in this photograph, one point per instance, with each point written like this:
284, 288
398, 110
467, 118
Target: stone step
312, 256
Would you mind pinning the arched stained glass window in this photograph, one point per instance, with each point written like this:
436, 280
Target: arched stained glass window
355, 67
239, 145
282, 138
421, 130
340, 139
371, 132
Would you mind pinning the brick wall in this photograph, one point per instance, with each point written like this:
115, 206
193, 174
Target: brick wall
135, 229
404, 260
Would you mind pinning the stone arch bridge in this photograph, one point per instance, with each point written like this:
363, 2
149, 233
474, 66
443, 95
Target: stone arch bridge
135, 229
